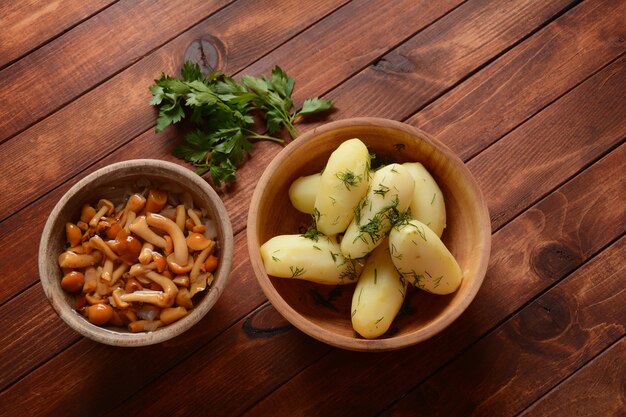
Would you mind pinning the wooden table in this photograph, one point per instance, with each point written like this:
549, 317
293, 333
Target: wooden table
531, 94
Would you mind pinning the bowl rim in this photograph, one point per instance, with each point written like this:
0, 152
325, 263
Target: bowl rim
111, 337
362, 344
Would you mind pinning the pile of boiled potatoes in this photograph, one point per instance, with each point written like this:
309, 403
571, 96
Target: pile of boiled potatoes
381, 229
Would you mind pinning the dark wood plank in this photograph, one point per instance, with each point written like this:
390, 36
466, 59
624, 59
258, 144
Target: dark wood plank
27, 24
261, 334
118, 110
528, 355
561, 216
255, 165
130, 116
597, 389
530, 254
25, 321
85, 56
75, 372
554, 145
440, 56
522, 82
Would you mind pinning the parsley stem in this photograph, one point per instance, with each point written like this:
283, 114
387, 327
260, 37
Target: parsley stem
251, 134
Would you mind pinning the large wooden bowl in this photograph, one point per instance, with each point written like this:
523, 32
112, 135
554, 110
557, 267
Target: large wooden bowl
112, 182
323, 312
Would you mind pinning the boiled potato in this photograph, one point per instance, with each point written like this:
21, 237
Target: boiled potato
317, 259
343, 183
388, 195
427, 204
378, 295
423, 259
303, 191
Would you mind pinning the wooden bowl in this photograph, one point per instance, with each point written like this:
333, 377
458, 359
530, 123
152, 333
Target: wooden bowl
324, 312
112, 181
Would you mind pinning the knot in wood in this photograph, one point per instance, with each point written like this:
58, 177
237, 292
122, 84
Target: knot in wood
545, 320
265, 322
395, 63
553, 260
208, 52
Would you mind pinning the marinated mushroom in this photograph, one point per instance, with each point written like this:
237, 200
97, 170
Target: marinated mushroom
140, 228
181, 253
140, 267
105, 208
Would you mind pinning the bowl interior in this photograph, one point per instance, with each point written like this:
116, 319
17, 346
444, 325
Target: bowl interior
114, 182
324, 312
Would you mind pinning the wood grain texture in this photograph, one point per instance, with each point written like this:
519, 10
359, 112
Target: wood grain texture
522, 82
250, 344
344, 35
244, 357
24, 320
80, 367
540, 247
528, 355
27, 24
88, 54
596, 389
553, 145
440, 56
119, 109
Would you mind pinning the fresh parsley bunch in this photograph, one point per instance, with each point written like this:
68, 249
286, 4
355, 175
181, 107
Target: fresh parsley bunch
220, 109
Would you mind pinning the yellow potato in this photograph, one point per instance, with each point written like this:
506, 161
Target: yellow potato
303, 191
423, 259
378, 295
343, 183
427, 204
317, 259
388, 195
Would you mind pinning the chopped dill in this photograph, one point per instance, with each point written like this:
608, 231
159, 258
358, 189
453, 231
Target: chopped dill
321, 300
382, 191
433, 200
312, 233
275, 259
295, 271
437, 281
349, 178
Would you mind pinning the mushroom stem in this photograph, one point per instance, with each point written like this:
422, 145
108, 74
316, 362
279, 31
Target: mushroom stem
195, 270
74, 260
97, 242
181, 217
181, 253
158, 298
104, 207
170, 289
145, 256
118, 272
140, 228
194, 217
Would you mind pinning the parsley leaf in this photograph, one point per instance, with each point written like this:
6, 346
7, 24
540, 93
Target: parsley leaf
220, 109
315, 105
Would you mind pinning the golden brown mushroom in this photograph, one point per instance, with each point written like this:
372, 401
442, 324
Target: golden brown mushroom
181, 253
140, 228
105, 208
74, 260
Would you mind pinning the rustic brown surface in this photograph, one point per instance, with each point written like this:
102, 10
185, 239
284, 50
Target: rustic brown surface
29, 24
529, 93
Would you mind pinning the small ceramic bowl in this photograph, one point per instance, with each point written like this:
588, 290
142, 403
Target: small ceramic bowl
112, 182
323, 312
